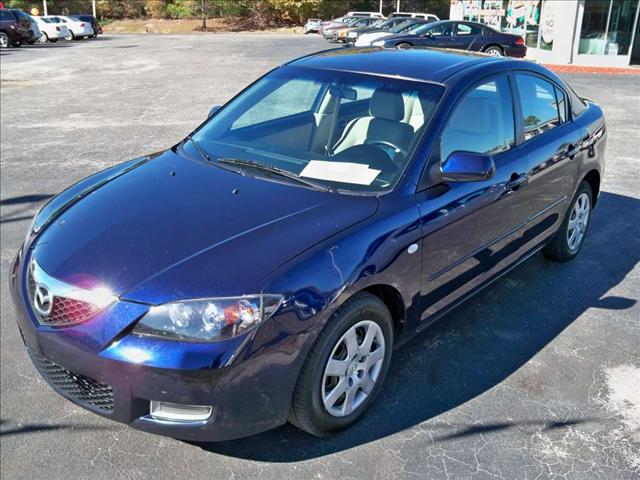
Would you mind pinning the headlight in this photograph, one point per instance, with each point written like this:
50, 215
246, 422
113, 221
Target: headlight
379, 43
207, 320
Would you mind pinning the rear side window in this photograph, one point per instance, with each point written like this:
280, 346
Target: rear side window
464, 29
482, 121
543, 105
6, 15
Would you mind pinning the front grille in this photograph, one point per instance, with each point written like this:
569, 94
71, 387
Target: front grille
75, 386
65, 311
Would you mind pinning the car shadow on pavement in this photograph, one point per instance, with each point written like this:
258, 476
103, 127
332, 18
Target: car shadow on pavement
24, 207
479, 345
43, 427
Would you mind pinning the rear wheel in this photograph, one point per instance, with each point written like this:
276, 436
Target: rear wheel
494, 51
568, 240
404, 45
70, 36
4, 40
43, 38
345, 368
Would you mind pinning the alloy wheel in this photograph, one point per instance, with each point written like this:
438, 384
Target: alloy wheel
578, 221
4, 40
494, 52
353, 368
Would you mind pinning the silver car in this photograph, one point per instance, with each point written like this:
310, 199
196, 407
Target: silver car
312, 25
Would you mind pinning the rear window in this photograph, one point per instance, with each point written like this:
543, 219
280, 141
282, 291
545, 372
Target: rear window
6, 15
21, 15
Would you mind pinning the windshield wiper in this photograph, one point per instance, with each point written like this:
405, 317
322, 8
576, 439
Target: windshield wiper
278, 171
207, 157
201, 150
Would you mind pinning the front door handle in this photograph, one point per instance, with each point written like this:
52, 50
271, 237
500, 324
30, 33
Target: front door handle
517, 181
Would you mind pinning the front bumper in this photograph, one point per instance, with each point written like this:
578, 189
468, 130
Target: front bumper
248, 382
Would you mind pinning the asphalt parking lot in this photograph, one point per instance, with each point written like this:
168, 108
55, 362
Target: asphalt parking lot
538, 377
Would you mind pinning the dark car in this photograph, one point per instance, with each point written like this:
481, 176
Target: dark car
380, 26
15, 28
265, 268
469, 36
97, 29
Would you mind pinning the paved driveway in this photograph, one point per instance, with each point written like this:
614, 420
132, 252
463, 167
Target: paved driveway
538, 377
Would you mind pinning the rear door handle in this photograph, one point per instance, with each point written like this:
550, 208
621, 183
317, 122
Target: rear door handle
565, 152
517, 181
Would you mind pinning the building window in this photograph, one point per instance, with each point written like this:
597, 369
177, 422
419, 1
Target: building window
531, 19
607, 27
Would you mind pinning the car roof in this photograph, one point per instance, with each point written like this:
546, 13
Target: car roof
423, 64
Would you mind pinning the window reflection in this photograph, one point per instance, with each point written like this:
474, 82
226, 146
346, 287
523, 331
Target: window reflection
607, 27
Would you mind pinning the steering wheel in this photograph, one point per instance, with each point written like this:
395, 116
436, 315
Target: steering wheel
383, 143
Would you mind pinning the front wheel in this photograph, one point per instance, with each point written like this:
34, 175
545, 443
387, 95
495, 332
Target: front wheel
345, 368
568, 240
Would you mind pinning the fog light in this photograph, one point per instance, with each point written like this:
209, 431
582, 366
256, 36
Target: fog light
175, 412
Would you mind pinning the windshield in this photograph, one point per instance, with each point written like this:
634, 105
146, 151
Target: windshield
434, 28
346, 130
401, 26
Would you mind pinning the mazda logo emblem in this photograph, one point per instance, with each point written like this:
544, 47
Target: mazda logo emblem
43, 300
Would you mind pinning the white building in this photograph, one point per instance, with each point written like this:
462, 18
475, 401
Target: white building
582, 32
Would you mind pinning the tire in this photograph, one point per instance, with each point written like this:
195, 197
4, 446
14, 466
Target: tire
53, 40
43, 38
70, 36
363, 369
494, 51
561, 248
404, 45
4, 40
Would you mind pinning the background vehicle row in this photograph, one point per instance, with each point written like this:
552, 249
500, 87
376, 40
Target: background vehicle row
18, 28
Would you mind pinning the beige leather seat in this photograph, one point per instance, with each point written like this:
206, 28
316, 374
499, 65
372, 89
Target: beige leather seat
383, 124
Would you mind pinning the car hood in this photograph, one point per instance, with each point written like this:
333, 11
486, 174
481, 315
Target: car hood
175, 228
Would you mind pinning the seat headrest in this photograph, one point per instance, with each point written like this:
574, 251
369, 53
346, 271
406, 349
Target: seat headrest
387, 104
472, 116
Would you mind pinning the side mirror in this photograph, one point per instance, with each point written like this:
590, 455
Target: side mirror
467, 167
213, 110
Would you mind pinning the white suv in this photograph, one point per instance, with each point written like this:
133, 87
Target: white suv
364, 14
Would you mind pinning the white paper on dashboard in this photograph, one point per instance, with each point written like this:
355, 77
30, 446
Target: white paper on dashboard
344, 172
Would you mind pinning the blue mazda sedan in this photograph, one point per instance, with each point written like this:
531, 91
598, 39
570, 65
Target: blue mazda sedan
265, 268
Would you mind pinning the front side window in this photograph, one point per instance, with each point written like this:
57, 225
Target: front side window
434, 30
541, 108
297, 96
351, 131
482, 122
